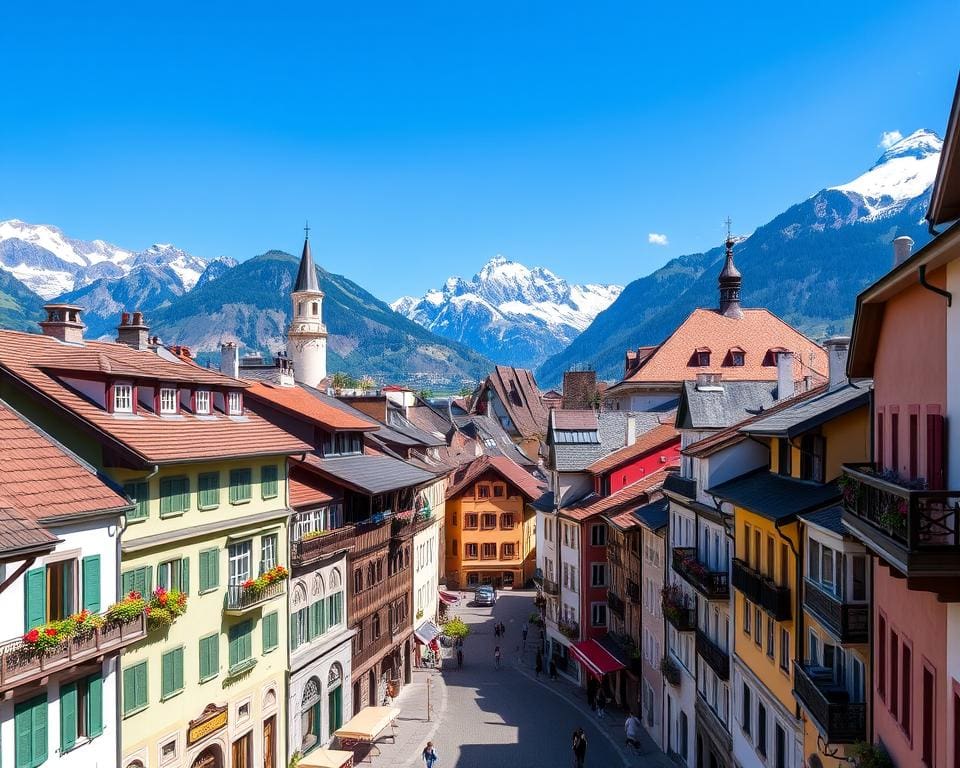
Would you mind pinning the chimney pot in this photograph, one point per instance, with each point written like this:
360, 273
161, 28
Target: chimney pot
230, 360
63, 322
785, 382
133, 334
125, 318
902, 247
837, 348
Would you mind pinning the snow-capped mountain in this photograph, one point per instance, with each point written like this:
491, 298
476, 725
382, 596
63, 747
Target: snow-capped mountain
509, 312
807, 265
48, 262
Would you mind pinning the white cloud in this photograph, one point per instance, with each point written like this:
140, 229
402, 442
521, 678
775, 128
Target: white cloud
654, 239
889, 138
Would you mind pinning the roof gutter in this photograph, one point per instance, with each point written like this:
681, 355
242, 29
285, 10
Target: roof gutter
923, 281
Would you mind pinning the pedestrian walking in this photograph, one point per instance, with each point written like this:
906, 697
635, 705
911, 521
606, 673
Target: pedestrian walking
496, 656
632, 727
524, 634
539, 664
496, 630
579, 748
459, 658
592, 693
429, 755
601, 704
553, 669
503, 630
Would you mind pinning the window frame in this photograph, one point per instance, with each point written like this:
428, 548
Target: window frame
202, 402
123, 404
234, 403
167, 401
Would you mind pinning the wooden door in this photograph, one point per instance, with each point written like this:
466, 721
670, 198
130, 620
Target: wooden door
270, 743
240, 754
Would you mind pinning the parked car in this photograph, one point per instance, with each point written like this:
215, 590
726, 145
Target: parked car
486, 595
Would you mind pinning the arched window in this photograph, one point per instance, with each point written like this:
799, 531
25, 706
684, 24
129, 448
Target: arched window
358, 580
376, 625
311, 716
335, 580
316, 308
335, 677
371, 575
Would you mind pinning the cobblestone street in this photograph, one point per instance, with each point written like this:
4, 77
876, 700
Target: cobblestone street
484, 716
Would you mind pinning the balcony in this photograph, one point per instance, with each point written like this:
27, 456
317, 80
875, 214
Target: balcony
20, 667
717, 658
239, 599
321, 544
374, 649
713, 585
550, 587
677, 608
747, 580
838, 719
848, 622
633, 592
615, 604
569, 629
775, 600
914, 530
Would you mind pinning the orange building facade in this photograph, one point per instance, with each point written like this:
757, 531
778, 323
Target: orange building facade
490, 535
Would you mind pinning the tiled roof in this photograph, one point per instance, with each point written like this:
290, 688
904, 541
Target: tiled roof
623, 520
654, 515
300, 402
810, 412
757, 332
775, 497
32, 359
660, 435
518, 391
577, 420
308, 488
830, 518
39, 479
612, 434
508, 470
369, 473
734, 433
724, 403
632, 495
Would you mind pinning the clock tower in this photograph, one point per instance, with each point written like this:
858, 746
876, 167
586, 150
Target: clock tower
307, 335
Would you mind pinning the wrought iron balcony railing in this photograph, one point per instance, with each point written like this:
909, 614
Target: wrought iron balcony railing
775, 600
839, 720
714, 585
747, 580
849, 622
717, 658
240, 599
314, 546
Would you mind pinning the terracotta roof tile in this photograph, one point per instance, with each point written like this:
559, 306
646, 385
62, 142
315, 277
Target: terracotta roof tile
631, 495
307, 489
36, 361
508, 470
756, 333
518, 391
571, 419
662, 434
299, 402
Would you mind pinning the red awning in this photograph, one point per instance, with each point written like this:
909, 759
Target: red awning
597, 659
448, 598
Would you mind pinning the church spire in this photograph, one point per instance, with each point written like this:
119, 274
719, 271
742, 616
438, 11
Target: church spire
307, 274
730, 282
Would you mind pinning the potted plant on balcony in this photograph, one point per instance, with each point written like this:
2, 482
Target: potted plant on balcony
674, 603
126, 610
256, 586
569, 629
867, 755
165, 607
670, 671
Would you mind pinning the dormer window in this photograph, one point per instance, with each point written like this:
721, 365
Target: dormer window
168, 400
201, 402
123, 398
701, 357
735, 356
234, 404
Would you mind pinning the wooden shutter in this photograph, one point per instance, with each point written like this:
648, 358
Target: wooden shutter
94, 705
184, 496
936, 454
166, 496
185, 575
129, 690
35, 598
39, 725
127, 583
209, 569
141, 684
209, 656
270, 638
167, 676
30, 732
268, 481
139, 494
234, 645
68, 716
91, 583
209, 490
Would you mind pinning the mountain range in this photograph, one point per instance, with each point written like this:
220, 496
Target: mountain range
510, 313
807, 265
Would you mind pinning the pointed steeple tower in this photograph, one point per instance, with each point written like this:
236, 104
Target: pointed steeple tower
307, 335
730, 282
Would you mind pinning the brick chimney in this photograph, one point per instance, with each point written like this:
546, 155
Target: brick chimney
785, 383
63, 322
837, 349
133, 332
579, 390
230, 360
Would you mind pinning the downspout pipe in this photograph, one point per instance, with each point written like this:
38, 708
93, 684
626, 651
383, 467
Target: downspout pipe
798, 614
922, 273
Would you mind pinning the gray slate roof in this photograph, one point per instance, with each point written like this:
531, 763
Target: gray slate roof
724, 405
830, 518
612, 435
776, 497
373, 474
654, 515
307, 273
808, 414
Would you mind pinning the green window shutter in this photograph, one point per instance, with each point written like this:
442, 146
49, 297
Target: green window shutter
135, 688
166, 496
171, 672
35, 598
240, 480
268, 481
94, 705
184, 494
234, 645
23, 734
209, 657
129, 690
68, 716
314, 626
209, 569
141, 679
185, 575
148, 580
247, 644
208, 490
126, 583
139, 494
270, 632
91, 583
142, 580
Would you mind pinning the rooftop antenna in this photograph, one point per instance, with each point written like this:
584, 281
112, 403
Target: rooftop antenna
306, 230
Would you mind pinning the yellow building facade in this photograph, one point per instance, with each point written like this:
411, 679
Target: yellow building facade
208, 689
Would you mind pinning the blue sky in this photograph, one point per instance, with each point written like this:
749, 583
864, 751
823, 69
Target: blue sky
420, 139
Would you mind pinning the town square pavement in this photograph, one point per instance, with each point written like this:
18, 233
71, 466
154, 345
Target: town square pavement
484, 717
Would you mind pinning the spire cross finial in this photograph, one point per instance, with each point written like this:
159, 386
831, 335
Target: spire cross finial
728, 223
306, 230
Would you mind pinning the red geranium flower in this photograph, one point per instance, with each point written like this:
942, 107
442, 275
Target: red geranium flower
50, 632
32, 636
248, 583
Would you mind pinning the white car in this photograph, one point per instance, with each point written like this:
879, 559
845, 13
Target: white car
486, 595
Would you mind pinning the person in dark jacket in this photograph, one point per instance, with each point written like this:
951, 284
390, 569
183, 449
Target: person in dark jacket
579, 748
553, 669
539, 664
